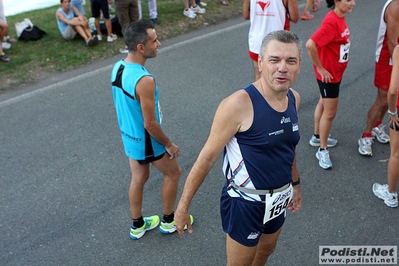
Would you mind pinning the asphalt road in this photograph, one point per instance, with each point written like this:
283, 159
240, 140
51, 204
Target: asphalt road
64, 176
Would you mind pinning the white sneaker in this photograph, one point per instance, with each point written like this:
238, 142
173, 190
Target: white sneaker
203, 4
99, 37
365, 146
380, 134
198, 9
324, 159
189, 13
5, 45
315, 142
124, 50
111, 38
381, 191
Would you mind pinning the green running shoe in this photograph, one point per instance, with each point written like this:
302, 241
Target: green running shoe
149, 223
169, 228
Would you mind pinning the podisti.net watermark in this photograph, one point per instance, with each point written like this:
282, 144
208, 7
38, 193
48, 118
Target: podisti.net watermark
378, 255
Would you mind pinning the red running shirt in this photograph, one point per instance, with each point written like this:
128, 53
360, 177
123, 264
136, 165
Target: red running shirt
332, 39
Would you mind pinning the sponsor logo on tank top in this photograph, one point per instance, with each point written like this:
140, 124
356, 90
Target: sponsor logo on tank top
285, 120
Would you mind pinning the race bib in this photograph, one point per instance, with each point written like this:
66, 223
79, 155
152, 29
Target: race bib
277, 203
344, 53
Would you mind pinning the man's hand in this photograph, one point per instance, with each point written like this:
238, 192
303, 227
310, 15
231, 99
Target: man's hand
182, 219
173, 150
296, 202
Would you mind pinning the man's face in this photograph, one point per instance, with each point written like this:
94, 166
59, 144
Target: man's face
280, 65
66, 4
151, 47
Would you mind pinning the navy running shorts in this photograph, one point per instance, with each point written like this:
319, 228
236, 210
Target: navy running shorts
242, 220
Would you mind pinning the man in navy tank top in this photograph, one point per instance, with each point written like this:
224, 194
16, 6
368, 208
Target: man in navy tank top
257, 129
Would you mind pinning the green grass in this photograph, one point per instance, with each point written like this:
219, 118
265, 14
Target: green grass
34, 60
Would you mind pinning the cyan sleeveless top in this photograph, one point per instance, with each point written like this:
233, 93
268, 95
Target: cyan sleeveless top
138, 143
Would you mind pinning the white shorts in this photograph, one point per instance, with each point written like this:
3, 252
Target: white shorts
69, 33
2, 16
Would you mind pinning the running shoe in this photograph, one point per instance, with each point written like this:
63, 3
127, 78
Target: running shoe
149, 223
381, 192
155, 21
365, 146
112, 37
9, 39
5, 45
380, 134
169, 228
324, 159
198, 9
315, 142
4, 58
189, 13
124, 50
307, 16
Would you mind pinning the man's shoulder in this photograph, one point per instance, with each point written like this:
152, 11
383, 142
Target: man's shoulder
393, 7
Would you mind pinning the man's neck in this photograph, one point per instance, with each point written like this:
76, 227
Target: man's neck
135, 58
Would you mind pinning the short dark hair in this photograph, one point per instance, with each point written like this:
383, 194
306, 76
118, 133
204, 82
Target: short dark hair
331, 3
64, 0
136, 34
283, 36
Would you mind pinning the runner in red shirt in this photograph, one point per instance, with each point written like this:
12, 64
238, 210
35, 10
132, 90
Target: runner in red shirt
328, 48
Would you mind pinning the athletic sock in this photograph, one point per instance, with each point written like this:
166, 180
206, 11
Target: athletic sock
137, 223
317, 136
379, 122
168, 218
367, 135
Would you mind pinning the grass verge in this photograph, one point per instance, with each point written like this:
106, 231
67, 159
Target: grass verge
35, 60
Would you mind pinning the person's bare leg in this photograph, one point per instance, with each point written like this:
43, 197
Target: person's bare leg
376, 111
108, 26
330, 110
171, 172
393, 163
81, 31
3, 30
140, 175
309, 3
237, 254
98, 27
267, 245
318, 111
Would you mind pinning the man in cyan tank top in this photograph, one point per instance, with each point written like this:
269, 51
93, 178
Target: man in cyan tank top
257, 128
139, 117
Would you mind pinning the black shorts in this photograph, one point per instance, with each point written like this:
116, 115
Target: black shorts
396, 128
329, 90
150, 159
97, 5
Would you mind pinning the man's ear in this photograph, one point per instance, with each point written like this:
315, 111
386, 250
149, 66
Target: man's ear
140, 47
259, 64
